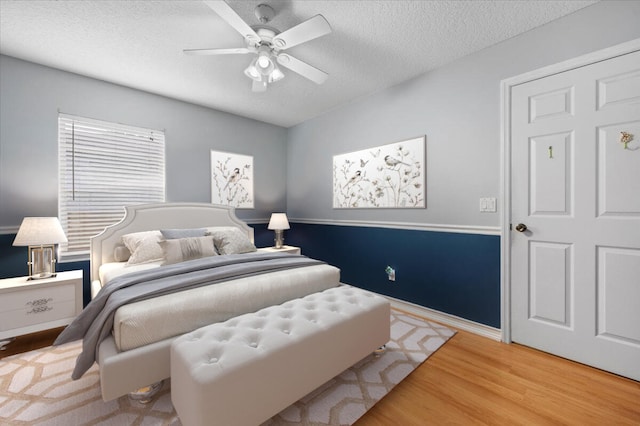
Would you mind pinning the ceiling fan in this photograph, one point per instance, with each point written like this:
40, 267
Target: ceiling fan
269, 45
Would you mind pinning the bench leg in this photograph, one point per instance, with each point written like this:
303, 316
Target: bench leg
4, 343
382, 349
145, 395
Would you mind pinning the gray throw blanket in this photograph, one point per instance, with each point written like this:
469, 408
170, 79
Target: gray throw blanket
95, 322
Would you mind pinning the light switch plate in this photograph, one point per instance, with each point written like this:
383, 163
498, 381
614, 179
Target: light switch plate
488, 205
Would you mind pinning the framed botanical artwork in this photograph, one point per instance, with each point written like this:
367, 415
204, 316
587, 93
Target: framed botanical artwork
232, 179
387, 176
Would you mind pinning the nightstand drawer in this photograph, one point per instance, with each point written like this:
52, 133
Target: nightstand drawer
29, 306
33, 306
31, 297
37, 314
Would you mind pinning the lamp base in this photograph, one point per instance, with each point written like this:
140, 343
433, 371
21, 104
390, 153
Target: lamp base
279, 241
42, 262
41, 277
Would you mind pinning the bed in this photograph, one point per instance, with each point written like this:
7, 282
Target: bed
135, 354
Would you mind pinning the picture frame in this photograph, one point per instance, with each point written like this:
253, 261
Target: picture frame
385, 176
232, 179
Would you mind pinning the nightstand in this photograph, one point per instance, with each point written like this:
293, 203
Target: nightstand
27, 306
284, 249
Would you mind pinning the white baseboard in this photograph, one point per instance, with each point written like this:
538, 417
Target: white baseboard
447, 319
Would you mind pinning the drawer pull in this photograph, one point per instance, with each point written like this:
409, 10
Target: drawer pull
40, 309
39, 302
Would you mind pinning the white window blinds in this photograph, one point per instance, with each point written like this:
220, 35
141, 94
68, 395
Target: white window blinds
102, 168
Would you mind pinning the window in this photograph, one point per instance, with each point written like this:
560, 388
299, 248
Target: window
102, 167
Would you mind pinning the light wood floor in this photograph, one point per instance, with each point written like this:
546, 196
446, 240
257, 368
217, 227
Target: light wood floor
473, 380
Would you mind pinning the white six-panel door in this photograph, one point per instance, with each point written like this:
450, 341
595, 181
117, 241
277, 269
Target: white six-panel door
575, 186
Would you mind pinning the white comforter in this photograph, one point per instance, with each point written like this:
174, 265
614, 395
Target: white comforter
149, 321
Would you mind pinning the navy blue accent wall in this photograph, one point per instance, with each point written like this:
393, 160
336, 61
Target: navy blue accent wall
454, 273
262, 236
13, 260
450, 272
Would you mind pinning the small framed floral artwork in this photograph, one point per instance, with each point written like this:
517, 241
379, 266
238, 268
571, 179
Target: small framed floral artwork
387, 176
232, 179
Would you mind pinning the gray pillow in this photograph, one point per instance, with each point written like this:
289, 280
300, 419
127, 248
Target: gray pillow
231, 240
173, 234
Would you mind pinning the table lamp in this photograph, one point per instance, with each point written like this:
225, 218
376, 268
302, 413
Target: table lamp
278, 223
41, 234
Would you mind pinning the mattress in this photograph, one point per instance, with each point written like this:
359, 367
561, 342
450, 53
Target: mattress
109, 271
148, 321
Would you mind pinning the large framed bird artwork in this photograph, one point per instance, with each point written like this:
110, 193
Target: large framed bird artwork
387, 176
232, 179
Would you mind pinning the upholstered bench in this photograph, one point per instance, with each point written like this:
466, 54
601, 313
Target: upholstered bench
247, 369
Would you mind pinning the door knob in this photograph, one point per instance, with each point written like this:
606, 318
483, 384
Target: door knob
521, 227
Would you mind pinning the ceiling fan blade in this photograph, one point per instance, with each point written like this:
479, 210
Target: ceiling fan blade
228, 14
259, 86
239, 50
302, 68
308, 30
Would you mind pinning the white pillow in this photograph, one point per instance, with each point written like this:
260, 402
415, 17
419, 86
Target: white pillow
181, 249
231, 240
144, 246
121, 253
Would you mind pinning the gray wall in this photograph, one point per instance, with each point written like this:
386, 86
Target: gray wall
457, 107
33, 94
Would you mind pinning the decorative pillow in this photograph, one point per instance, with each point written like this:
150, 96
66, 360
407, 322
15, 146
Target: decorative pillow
121, 253
181, 249
144, 246
172, 234
231, 240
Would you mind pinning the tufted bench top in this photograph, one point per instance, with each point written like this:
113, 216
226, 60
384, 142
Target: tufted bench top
287, 349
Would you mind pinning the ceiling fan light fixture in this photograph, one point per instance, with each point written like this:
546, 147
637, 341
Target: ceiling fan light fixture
252, 71
264, 61
268, 43
259, 86
276, 74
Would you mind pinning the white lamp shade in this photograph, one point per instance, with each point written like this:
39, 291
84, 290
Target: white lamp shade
278, 221
35, 231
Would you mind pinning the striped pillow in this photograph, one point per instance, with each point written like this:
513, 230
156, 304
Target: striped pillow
181, 249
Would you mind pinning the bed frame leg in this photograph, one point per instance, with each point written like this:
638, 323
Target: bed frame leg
378, 352
145, 394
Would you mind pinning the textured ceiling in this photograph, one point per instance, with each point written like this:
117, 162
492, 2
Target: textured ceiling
374, 45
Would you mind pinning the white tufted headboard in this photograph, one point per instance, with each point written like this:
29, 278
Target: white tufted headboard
149, 217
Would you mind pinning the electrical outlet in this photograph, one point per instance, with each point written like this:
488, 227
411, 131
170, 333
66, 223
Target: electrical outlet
391, 273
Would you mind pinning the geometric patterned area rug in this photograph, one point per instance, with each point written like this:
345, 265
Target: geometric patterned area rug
36, 387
